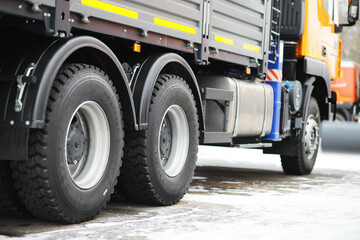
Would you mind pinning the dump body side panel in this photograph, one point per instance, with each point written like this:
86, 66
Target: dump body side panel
180, 19
236, 29
239, 27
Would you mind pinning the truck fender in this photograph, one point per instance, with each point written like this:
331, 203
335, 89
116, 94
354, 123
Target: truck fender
147, 75
318, 68
307, 90
46, 59
322, 86
56, 55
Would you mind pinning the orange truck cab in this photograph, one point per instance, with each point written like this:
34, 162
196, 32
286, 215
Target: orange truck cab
347, 88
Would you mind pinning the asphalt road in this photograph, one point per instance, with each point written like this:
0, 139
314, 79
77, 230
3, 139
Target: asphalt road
236, 194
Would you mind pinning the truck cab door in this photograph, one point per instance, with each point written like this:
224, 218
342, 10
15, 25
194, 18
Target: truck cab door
329, 17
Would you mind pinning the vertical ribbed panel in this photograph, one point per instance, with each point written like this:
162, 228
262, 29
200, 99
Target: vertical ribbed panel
239, 26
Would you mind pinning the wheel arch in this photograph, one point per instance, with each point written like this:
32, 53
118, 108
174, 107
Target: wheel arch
169, 63
345, 112
318, 71
47, 56
88, 50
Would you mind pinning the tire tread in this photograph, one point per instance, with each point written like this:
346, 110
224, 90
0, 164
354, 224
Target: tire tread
10, 204
135, 182
31, 177
294, 165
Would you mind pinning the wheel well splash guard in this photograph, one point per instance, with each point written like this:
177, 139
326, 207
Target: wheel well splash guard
322, 85
318, 68
145, 80
47, 57
56, 55
307, 89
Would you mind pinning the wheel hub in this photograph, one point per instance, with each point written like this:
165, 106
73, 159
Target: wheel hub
87, 145
173, 140
312, 136
76, 142
165, 141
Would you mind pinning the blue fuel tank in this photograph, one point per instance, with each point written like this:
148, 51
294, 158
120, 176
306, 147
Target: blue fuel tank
274, 133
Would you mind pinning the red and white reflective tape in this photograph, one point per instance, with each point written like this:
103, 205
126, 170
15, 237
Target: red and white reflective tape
274, 75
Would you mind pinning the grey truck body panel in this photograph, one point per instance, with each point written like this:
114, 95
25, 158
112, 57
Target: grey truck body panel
222, 29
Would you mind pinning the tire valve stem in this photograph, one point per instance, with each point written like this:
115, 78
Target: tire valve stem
75, 162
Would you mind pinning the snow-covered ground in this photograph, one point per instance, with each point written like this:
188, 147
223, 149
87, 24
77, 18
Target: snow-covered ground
236, 194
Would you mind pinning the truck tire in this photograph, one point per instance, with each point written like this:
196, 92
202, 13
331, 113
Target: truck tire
341, 117
307, 146
10, 204
159, 162
74, 161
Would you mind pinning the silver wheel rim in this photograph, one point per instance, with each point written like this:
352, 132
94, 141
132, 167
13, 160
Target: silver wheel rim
311, 136
173, 142
87, 145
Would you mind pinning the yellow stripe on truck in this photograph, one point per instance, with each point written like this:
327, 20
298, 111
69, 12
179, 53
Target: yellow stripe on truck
111, 8
224, 40
251, 47
345, 99
173, 25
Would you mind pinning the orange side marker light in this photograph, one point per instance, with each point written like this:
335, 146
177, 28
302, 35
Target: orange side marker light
136, 47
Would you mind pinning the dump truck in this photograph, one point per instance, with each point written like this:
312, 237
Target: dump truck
347, 89
98, 96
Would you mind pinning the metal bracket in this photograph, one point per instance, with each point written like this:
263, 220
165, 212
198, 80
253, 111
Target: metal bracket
47, 20
58, 22
298, 123
144, 33
201, 49
62, 19
254, 145
133, 72
213, 50
189, 44
22, 80
214, 94
85, 19
35, 7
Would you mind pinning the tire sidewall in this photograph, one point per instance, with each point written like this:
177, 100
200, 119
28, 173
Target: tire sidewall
85, 85
341, 116
174, 92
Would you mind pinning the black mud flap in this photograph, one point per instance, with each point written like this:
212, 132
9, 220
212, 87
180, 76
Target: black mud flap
14, 143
